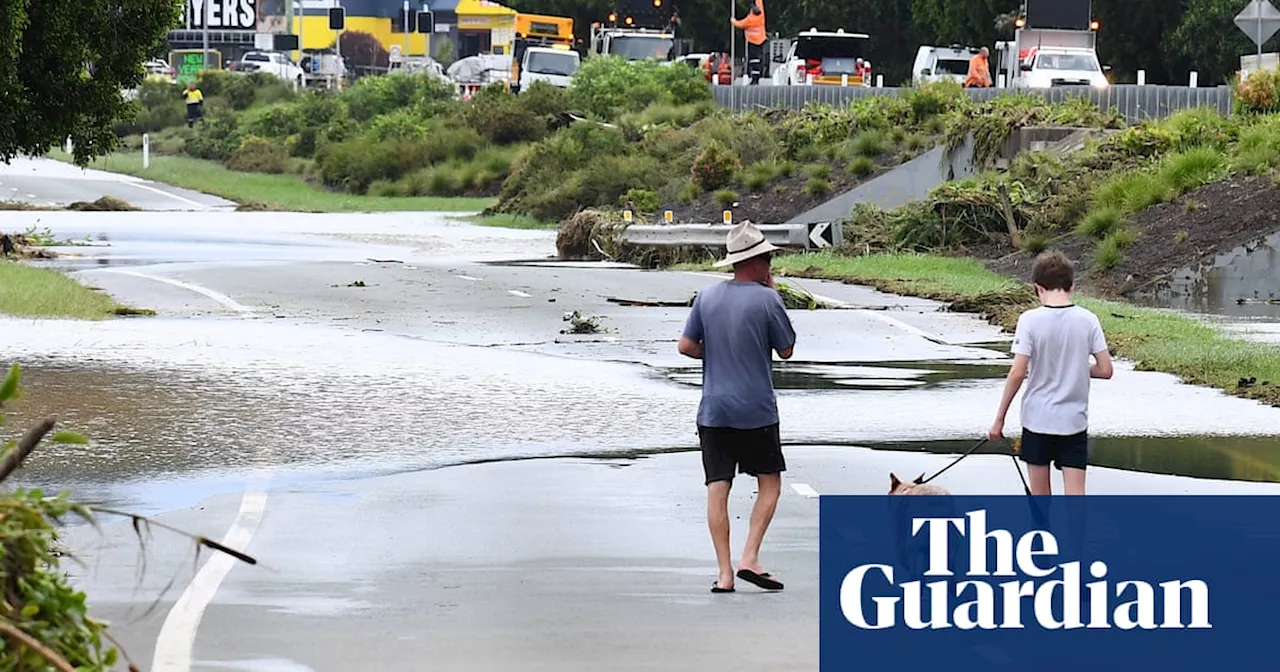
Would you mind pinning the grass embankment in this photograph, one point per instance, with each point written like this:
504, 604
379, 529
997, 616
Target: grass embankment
275, 192
30, 291
1154, 340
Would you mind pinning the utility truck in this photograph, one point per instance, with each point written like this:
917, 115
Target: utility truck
1042, 57
543, 51
820, 58
637, 30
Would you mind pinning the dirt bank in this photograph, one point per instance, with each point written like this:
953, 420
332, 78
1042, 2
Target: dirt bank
1207, 221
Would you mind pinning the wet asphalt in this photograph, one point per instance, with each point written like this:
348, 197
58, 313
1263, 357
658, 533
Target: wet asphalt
49, 183
397, 532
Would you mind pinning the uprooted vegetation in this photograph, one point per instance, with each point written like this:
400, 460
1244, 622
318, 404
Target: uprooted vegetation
1140, 202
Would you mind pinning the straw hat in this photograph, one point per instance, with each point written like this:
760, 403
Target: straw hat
744, 242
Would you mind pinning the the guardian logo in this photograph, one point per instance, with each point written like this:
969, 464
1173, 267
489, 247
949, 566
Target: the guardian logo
1037, 588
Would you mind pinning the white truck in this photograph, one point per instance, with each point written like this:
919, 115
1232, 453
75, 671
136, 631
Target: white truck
271, 62
942, 64
548, 64
1039, 58
817, 57
633, 44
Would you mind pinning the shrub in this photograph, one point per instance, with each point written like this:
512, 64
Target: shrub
370, 97
1258, 93
757, 176
258, 155
1034, 243
750, 138
870, 143
689, 192
817, 171
543, 99
714, 167
643, 200
1258, 150
816, 186
862, 166
1190, 169
934, 98
398, 125
498, 116
1100, 223
386, 188
913, 141
216, 139
1132, 192
240, 93
726, 197
279, 120
1108, 254
608, 87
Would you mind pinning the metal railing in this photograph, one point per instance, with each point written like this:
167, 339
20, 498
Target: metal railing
810, 236
1134, 102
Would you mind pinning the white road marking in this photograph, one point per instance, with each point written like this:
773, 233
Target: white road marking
804, 490
906, 327
516, 292
176, 641
178, 634
467, 277
31, 195
176, 197
216, 296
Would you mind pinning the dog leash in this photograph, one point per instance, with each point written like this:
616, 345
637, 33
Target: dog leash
1025, 488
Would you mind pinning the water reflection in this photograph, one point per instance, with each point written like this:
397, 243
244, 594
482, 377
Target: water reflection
1243, 283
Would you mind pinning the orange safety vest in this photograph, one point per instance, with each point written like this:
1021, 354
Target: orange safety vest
753, 25
979, 72
706, 68
726, 72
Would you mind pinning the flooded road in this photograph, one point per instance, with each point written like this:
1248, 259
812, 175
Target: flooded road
345, 361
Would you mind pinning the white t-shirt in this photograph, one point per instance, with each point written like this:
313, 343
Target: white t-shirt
1058, 340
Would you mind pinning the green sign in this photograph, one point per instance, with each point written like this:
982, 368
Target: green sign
189, 64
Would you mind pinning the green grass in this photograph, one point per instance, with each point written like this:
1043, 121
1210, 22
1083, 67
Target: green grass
31, 291
506, 221
1155, 340
277, 192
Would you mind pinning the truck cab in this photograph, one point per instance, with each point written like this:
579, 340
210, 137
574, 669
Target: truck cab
1042, 59
553, 65
942, 64
824, 58
633, 44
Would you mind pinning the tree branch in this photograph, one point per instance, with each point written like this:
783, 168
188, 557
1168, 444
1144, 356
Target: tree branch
30, 642
27, 444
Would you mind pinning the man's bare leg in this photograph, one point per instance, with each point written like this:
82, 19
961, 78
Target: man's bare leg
1073, 480
770, 486
1038, 477
718, 522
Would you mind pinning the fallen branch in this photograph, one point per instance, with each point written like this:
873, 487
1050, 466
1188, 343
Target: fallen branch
23, 639
28, 443
200, 540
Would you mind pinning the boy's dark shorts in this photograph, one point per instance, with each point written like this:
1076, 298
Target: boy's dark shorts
1065, 451
748, 451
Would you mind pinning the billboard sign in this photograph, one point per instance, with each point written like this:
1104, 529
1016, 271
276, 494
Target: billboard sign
1059, 14
223, 14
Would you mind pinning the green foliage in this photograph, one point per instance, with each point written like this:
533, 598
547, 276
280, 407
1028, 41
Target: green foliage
47, 92
714, 167
502, 118
608, 87
1035, 243
259, 155
543, 99
992, 122
817, 186
643, 200
1100, 223
1258, 150
726, 197
371, 97
870, 143
862, 166
277, 121
934, 98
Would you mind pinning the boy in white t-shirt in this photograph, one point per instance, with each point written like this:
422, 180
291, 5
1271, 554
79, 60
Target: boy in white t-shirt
1051, 347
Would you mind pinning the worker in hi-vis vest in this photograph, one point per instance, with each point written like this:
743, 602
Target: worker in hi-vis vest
753, 28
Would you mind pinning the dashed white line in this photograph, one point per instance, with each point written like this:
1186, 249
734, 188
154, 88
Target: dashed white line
216, 296
906, 327
176, 641
467, 277
516, 292
804, 490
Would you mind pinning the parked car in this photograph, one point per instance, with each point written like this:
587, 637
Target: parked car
160, 71
271, 62
942, 64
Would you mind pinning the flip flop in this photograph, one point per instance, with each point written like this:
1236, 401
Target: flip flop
718, 589
762, 580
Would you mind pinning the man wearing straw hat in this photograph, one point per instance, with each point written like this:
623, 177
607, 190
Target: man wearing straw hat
734, 327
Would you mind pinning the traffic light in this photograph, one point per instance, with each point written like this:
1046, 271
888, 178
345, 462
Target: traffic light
426, 22
337, 18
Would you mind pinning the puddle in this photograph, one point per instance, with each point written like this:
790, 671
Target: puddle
1243, 283
1233, 458
862, 376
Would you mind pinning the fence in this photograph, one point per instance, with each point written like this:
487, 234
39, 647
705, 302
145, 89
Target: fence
1133, 101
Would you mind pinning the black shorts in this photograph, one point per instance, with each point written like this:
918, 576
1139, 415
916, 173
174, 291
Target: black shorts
748, 451
1065, 451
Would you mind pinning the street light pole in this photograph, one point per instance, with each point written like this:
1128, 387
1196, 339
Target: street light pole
204, 25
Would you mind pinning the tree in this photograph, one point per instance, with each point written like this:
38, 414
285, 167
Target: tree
360, 49
64, 67
1208, 41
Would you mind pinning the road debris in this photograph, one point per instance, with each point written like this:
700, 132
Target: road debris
581, 325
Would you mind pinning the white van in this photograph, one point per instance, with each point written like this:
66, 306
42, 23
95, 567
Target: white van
942, 64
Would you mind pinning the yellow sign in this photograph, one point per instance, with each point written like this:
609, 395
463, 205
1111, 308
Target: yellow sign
668, 216
728, 217
627, 216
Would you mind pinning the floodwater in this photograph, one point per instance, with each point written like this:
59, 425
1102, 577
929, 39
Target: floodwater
1242, 284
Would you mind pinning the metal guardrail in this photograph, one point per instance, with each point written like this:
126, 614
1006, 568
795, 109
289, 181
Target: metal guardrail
811, 236
1134, 102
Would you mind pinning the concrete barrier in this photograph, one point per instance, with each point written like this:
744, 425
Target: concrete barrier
1134, 102
809, 235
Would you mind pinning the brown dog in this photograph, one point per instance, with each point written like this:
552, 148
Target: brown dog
916, 487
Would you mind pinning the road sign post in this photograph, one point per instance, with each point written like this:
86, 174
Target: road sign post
1259, 20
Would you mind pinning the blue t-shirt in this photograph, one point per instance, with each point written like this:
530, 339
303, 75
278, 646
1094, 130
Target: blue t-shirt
739, 324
